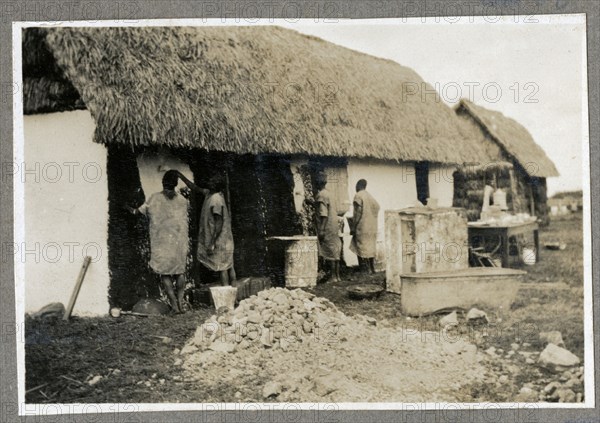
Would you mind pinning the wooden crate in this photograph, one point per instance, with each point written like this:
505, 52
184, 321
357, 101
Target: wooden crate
246, 288
422, 240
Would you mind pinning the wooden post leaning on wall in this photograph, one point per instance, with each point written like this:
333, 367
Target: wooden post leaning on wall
516, 200
532, 201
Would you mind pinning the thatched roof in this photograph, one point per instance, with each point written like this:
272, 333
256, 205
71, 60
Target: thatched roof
510, 136
45, 88
260, 89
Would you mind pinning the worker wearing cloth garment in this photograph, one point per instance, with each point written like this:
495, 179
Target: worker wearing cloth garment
330, 245
167, 212
215, 239
364, 241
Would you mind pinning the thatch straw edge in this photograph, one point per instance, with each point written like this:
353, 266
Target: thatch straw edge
521, 145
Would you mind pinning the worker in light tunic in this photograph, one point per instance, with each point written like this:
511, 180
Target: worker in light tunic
364, 230
167, 212
330, 244
215, 238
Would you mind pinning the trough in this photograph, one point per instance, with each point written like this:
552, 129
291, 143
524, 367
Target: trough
489, 287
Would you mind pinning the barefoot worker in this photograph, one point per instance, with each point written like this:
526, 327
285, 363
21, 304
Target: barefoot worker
330, 245
215, 239
167, 212
364, 221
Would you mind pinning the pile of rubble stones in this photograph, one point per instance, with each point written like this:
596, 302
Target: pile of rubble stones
299, 347
277, 318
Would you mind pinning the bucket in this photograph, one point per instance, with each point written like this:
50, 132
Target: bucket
432, 203
500, 199
528, 256
224, 296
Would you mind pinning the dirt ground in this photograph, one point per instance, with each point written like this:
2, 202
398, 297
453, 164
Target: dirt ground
136, 359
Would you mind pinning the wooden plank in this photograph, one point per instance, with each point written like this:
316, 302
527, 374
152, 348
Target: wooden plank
532, 204
84, 267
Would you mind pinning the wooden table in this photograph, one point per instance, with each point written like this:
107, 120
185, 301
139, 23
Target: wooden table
505, 232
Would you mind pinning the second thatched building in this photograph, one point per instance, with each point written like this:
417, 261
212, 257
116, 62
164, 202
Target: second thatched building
515, 164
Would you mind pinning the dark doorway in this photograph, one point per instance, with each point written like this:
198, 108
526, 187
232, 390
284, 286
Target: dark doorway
128, 242
260, 197
422, 177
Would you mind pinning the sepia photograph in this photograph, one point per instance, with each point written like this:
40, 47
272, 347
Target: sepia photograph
365, 214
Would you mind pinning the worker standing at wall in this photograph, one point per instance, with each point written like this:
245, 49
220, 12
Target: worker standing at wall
330, 244
215, 238
364, 230
167, 212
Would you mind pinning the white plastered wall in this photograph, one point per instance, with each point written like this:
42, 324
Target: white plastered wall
394, 187
441, 184
299, 192
66, 212
392, 184
152, 167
